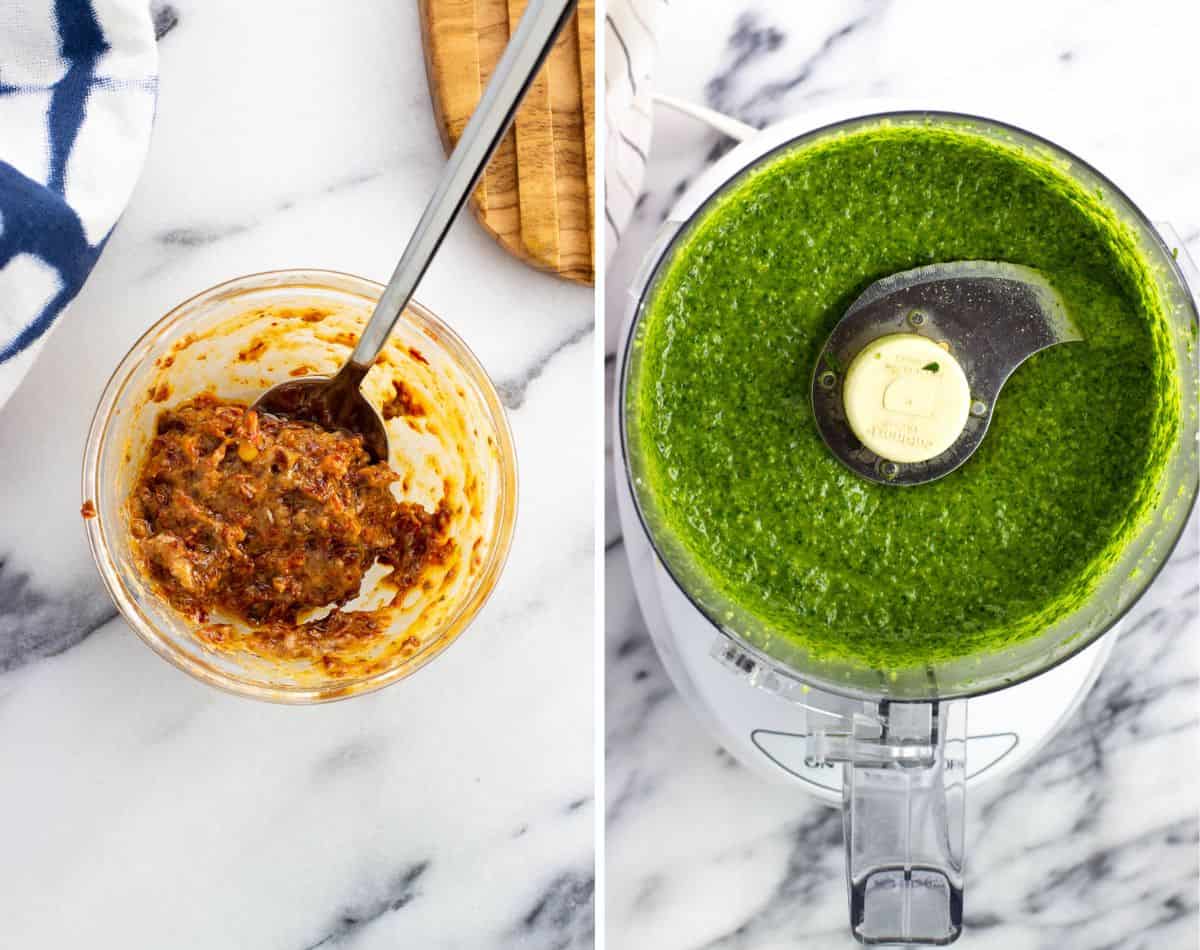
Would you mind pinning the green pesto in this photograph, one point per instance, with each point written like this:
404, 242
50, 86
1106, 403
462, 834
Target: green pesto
880, 575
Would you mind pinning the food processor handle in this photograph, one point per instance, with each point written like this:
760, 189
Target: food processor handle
904, 797
528, 48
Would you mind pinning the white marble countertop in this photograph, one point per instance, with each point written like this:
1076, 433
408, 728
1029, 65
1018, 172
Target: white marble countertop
1094, 844
139, 808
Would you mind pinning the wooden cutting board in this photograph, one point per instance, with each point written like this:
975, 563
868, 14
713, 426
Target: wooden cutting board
537, 197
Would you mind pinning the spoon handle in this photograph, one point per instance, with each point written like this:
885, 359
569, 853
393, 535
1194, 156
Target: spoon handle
526, 50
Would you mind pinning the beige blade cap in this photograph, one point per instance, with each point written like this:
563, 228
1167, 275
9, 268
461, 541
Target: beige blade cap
906, 398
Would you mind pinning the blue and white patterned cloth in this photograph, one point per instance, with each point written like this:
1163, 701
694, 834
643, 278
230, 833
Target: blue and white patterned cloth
78, 80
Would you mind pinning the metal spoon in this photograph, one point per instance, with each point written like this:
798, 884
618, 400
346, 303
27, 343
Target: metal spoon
337, 403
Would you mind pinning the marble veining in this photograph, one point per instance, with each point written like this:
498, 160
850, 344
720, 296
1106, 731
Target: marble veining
512, 390
1092, 845
140, 808
399, 892
34, 624
165, 18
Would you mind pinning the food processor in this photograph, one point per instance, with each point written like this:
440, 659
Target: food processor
897, 749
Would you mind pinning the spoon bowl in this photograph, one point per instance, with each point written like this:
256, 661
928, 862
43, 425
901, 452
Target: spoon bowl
331, 402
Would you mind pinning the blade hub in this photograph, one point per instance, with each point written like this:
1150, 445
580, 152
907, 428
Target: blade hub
904, 389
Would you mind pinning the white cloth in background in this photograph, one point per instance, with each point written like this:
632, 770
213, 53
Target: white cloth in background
628, 71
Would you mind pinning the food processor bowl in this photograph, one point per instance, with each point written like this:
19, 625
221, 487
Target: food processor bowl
1123, 581
900, 733
237, 339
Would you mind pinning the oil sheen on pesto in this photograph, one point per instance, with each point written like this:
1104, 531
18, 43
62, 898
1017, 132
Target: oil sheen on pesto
887, 576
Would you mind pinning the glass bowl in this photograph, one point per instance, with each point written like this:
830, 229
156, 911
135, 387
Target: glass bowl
240, 337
